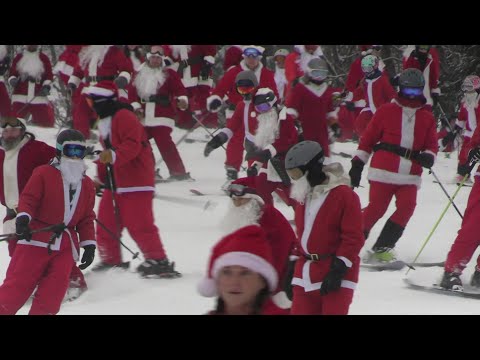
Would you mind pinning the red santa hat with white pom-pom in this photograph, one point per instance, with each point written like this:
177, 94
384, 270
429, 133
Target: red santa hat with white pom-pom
247, 247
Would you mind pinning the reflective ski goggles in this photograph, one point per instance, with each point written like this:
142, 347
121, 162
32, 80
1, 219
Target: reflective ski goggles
239, 190
295, 173
12, 122
252, 52
423, 48
263, 108
154, 54
318, 74
411, 91
245, 90
73, 150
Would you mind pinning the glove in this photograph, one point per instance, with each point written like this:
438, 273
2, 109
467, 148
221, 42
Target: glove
217, 141
337, 130
435, 98
13, 82
287, 284
394, 81
106, 157
451, 136
88, 256
425, 159
356, 172
350, 105
252, 171
44, 91
167, 62
259, 155
215, 105
205, 71
121, 82
22, 230
334, 277
474, 155
71, 87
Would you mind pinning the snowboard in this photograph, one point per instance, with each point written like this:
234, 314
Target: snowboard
468, 292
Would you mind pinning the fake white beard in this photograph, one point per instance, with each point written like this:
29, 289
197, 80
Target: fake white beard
471, 100
72, 170
241, 216
177, 50
105, 127
267, 130
148, 81
30, 65
93, 53
300, 189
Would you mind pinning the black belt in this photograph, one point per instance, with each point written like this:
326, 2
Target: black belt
317, 257
11, 213
397, 149
99, 78
161, 100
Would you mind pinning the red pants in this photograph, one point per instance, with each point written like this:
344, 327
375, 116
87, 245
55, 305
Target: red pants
379, 198
5, 106
362, 121
235, 150
346, 120
463, 154
83, 115
167, 148
31, 266
42, 114
312, 303
197, 99
468, 238
136, 214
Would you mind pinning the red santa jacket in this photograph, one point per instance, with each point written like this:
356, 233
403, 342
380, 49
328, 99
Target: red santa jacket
332, 226
21, 162
233, 56
374, 93
226, 85
398, 123
67, 62
46, 200
313, 106
474, 143
468, 119
134, 165
294, 65
196, 57
27, 89
430, 72
157, 114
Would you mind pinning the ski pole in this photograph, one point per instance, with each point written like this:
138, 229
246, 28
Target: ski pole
4, 237
446, 193
113, 189
438, 221
135, 255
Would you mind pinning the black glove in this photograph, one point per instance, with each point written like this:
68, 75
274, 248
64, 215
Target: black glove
394, 81
167, 62
435, 98
350, 105
217, 141
287, 283
205, 70
121, 82
333, 279
337, 130
71, 87
356, 172
88, 256
259, 155
474, 155
44, 91
425, 159
214, 105
252, 171
13, 82
450, 137
22, 230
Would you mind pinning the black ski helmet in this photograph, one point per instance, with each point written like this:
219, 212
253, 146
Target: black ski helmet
68, 135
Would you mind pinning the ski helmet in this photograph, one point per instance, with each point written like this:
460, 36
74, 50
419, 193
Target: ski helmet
246, 82
471, 83
317, 69
422, 48
264, 100
369, 64
70, 136
412, 78
301, 154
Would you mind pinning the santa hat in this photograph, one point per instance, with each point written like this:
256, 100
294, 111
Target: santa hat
251, 192
247, 247
281, 52
105, 88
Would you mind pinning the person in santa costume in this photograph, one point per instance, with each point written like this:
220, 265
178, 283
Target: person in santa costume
233, 56
403, 137
98, 63
126, 169
5, 103
31, 78
240, 273
44, 259
311, 105
280, 77
67, 62
249, 207
227, 86
194, 65
329, 233
155, 95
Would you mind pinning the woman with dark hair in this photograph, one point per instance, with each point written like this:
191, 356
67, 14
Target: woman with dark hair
240, 273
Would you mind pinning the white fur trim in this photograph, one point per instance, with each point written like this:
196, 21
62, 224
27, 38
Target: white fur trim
252, 196
46, 82
74, 80
293, 112
114, 156
3, 52
210, 100
210, 59
388, 177
272, 150
227, 132
135, 189
94, 90
126, 75
11, 77
183, 97
207, 287
347, 262
360, 103
87, 242
24, 99
362, 155
136, 105
281, 300
436, 91
24, 213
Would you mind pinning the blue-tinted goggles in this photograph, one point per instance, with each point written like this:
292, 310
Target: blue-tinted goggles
264, 107
74, 150
318, 74
252, 52
412, 91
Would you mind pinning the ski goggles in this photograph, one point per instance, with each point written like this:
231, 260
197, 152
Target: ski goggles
154, 54
412, 91
73, 150
12, 122
318, 74
239, 190
295, 173
245, 90
423, 48
263, 107
251, 52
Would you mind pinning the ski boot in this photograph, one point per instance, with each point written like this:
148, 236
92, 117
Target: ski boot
451, 281
182, 177
159, 268
232, 175
101, 267
381, 255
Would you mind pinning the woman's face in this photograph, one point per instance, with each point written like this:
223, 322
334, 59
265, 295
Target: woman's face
238, 286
